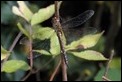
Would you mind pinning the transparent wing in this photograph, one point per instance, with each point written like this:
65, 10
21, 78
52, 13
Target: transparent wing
74, 34
78, 20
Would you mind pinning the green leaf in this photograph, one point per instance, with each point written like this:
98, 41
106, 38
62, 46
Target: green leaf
24, 31
4, 53
42, 15
85, 42
116, 63
25, 10
113, 74
89, 55
22, 11
42, 52
100, 45
15, 65
42, 33
16, 11
54, 44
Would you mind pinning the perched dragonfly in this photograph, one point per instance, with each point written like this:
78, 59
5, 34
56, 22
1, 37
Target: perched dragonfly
78, 20
68, 26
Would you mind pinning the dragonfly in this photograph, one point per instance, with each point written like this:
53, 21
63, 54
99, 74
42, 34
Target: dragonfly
78, 20
68, 27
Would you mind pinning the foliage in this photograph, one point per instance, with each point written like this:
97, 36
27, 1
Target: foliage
113, 74
14, 65
47, 33
4, 53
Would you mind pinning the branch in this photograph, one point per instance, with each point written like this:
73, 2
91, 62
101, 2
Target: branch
104, 77
12, 47
30, 72
35, 71
55, 71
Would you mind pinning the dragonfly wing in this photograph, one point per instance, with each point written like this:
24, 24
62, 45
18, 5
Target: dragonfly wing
78, 20
74, 34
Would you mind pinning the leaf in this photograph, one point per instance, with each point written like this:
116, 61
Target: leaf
116, 63
42, 33
24, 31
54, 44
15, 65
100, 45
16, 11
85, 42
113, 74
22, 11
42, 15
4, 53
42, 52
89, 55
25, 10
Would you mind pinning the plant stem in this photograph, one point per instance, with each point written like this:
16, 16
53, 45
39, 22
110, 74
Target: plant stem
12, 47
107, 67
27, 76
15, 41
105, 78
55, 71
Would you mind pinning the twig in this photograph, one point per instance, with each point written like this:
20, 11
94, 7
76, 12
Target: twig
55, 71
15, 41
64, 69
105, 79
35, 71
43, 66
30, 72
12, 47
107, 67
59, 32
110, 59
